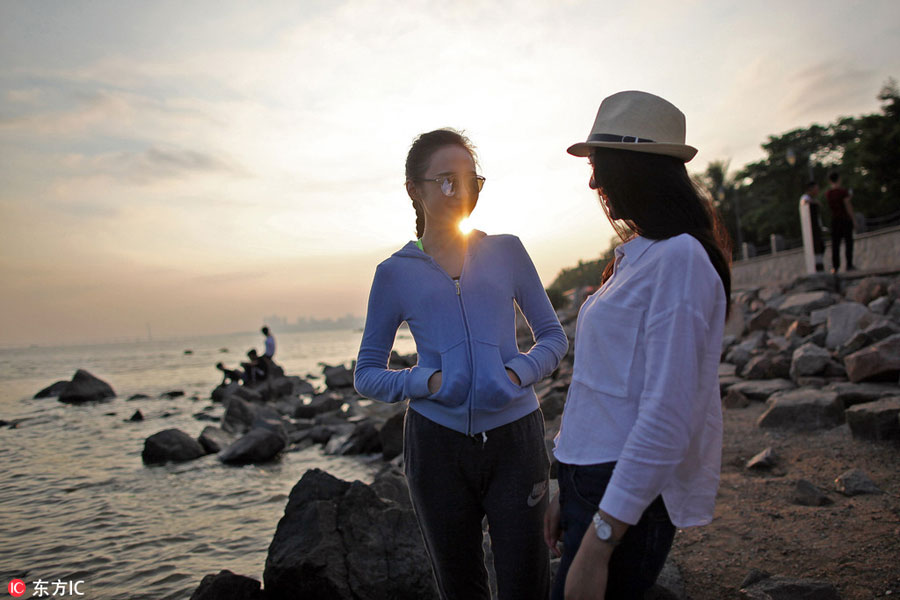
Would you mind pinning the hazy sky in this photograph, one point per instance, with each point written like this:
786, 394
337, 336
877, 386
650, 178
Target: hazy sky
196, 166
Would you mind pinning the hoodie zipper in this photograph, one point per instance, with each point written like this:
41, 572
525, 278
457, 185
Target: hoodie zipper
465, 320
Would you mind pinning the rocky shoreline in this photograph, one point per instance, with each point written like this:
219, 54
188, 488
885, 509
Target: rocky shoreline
820, 354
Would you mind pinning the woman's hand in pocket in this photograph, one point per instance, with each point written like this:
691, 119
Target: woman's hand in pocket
434, 382
513, 377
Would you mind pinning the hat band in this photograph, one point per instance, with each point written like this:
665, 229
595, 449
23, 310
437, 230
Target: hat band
608, 137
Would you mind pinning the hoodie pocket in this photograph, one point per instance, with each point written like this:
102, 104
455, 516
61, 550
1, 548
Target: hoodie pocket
456, 377
494, 390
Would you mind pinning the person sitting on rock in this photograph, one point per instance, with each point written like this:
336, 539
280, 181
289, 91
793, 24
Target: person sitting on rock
229, 375
253, 371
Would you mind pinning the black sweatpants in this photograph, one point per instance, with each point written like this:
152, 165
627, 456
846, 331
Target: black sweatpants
455, 480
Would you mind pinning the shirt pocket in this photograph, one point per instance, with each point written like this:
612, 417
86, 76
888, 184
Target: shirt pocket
605, 347
494, 390
456, 376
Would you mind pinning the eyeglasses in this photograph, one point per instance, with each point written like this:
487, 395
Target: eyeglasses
448, 183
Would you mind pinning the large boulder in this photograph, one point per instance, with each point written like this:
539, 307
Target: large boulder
761, 390
881, 329
339, 540
259, 445
214, 439
802, 410
876, 420
319, 404
171, 445
365, 439
851, 394
53, 390
855, 482
391, 435
878, 362
84, 387
338, 377
869, 289
808, 359
843, 322
806, 302
225, 585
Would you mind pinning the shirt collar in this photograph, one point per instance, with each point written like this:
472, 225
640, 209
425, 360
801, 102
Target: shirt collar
633, 249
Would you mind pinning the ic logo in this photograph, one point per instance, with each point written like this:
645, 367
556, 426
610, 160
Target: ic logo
16, 588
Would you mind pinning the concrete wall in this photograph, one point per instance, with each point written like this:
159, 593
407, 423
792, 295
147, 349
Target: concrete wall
879, 250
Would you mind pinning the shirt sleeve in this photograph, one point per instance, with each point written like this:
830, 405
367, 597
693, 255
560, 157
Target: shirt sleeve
372, 377
551, 342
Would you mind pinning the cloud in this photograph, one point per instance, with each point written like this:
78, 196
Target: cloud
829, 89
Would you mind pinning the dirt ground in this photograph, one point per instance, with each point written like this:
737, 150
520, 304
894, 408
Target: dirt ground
853, 543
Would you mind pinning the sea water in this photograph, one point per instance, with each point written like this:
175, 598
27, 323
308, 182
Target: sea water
78, 505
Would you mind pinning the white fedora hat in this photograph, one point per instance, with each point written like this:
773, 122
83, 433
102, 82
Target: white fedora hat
639, 122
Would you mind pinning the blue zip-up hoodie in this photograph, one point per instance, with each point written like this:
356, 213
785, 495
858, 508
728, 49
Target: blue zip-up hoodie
466, 329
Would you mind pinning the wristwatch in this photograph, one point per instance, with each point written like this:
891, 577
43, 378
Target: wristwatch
604, 530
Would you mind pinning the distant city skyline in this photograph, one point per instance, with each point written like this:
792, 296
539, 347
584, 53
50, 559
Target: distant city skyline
194, 165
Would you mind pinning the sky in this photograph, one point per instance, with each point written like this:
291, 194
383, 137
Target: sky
192, 167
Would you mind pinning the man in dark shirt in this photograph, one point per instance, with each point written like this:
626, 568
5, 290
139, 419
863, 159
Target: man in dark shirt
842, 222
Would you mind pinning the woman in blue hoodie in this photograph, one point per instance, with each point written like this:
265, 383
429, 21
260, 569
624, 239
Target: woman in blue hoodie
473, 433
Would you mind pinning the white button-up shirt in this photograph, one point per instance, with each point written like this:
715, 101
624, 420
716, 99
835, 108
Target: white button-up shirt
645, 388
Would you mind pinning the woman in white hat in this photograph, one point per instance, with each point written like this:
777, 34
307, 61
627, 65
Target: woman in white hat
473, 439
639, 446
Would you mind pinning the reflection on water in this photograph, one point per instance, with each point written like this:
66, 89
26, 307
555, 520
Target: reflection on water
77, 503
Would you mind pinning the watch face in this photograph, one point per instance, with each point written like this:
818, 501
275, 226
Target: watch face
604, 529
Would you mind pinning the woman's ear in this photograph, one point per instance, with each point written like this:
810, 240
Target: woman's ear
412, 191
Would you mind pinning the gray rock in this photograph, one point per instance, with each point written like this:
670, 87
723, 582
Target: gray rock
764, 460
785, 588
881, 329
754, 576
806, 302
843, 322
319, 404
239, 415
819, 317
762, 319
735, 399
807, 494
225, 585
53, 390
137, 416
798, 329
391, 435
259, 445
339, 540
214, 439
390, 484
738, 356
761, 390
364, 440
84, 387
171, 445
855, 482
876, 420
802, 410
338, 377
869, 289
851, 394
808, 359
726, 382
880, 306
727, 370
878, 362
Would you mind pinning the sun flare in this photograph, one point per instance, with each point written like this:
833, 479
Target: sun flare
466, 226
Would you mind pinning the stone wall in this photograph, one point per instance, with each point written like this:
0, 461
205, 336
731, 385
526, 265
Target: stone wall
876, 251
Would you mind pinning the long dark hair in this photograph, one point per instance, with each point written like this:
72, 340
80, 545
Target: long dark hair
657, 199
423, 147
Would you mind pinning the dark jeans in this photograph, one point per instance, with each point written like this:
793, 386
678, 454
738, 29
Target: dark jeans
455, 480
637, 560
841, 230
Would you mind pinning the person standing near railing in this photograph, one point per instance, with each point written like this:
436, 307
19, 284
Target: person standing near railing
811, 227
842, 222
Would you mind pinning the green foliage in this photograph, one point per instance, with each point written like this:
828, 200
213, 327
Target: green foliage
764, 195
588, 273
